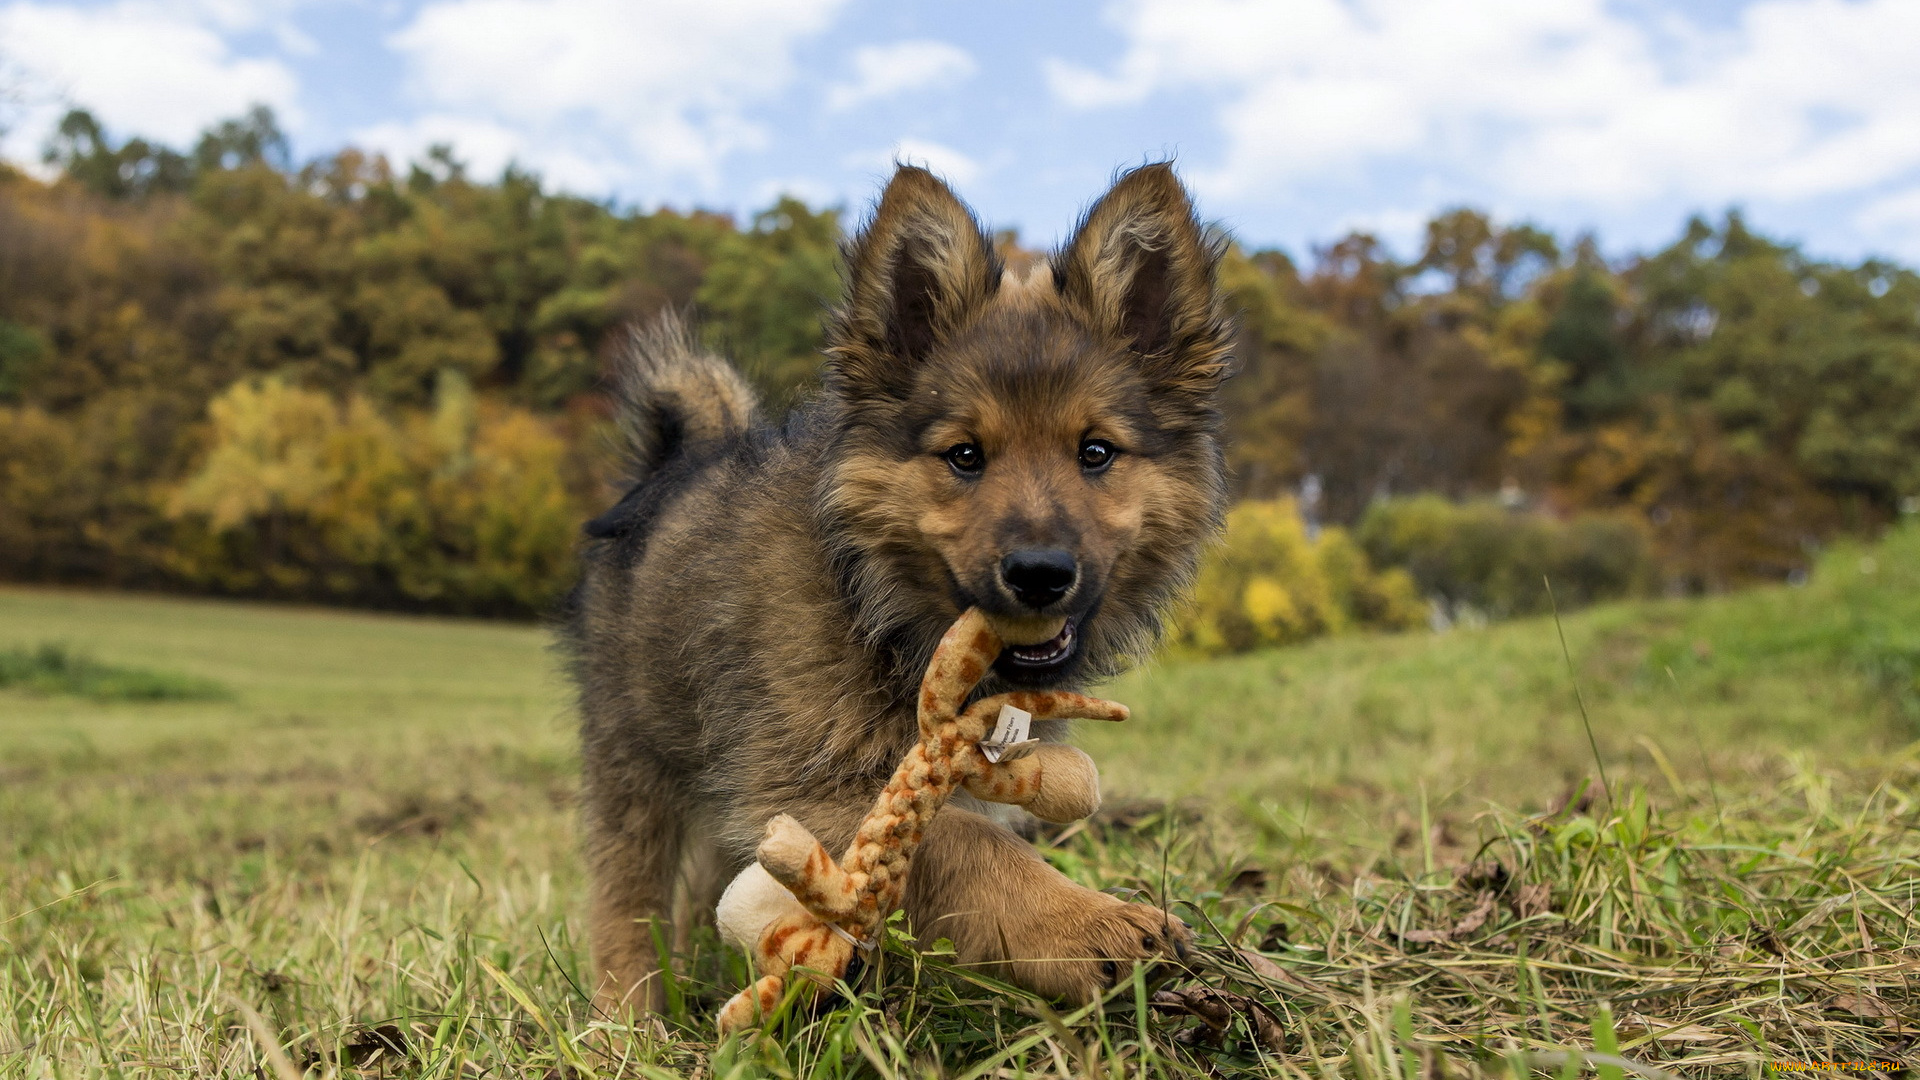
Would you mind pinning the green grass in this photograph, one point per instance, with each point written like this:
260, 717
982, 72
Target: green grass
362, 859
52, 668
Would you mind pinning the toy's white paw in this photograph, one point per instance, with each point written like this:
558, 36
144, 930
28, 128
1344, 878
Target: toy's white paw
752, 901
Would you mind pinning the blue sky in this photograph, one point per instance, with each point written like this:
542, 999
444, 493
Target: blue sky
1294, 120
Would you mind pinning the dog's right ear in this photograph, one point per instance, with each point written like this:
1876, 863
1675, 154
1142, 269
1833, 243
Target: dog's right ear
914, 274
1141, 267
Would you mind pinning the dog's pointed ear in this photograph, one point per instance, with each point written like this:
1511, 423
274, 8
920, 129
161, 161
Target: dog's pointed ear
916, 272
1141, 268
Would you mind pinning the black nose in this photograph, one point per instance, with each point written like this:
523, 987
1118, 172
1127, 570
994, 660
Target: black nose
1039, 576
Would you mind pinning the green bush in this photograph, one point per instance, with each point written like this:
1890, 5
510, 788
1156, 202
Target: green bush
1482, 557
21, 350
1269, 584
1881, 639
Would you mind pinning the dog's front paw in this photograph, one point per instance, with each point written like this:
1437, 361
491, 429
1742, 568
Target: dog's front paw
1096, 947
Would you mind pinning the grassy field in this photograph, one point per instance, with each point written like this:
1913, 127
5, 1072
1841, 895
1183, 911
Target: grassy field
343, 844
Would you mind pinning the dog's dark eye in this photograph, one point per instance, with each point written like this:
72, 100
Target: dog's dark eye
1096, 454
965, 457
1110, 969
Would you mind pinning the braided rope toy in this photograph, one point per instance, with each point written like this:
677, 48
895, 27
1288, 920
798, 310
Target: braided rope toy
796, 908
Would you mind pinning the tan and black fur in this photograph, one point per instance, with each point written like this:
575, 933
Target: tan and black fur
756, 612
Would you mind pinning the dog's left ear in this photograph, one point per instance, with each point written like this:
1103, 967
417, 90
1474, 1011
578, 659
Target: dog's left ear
918, 270
1141, 268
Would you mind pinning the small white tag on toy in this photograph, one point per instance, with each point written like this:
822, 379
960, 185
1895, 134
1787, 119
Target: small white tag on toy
863, 946
1009, 741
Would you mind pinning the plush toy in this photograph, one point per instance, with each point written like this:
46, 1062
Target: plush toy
798, 908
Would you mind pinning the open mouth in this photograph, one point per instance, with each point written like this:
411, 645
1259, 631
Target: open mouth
1049, 653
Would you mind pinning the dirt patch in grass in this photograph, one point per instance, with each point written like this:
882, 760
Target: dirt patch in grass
421, 815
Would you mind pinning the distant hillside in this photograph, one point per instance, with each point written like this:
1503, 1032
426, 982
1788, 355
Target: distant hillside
362, 382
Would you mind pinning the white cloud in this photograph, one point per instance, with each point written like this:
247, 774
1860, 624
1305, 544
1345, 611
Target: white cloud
606, 83
882, 71
810, 190
484, 147
1568, 100
161, 71
1900, 211
1400, 228
1892, 223
943, 161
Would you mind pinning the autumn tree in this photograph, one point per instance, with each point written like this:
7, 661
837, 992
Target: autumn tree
132, 295
766, 293
1749, 401
1420, 384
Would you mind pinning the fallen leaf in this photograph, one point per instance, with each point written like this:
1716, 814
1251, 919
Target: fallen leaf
1210, 1006
1250, 880
1475, 919
1267, 969
1216, 1009
1690, 1033
1531, 900
1484, 874
1266, 1028
1859, 1005
1470, 922
1275, 937
1263, 967
387, 1040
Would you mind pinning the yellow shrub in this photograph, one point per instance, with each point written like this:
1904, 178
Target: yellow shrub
1268, 584
463, 507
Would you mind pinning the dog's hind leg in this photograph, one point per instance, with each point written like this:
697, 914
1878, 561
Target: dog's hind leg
633, 853
705, 871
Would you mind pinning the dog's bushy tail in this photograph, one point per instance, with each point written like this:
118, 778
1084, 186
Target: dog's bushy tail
675, 395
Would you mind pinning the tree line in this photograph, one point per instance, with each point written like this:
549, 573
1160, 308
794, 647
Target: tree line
341, 380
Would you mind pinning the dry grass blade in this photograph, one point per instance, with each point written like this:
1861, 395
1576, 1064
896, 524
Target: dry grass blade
1586, 722
1563, 1059
263, 1037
